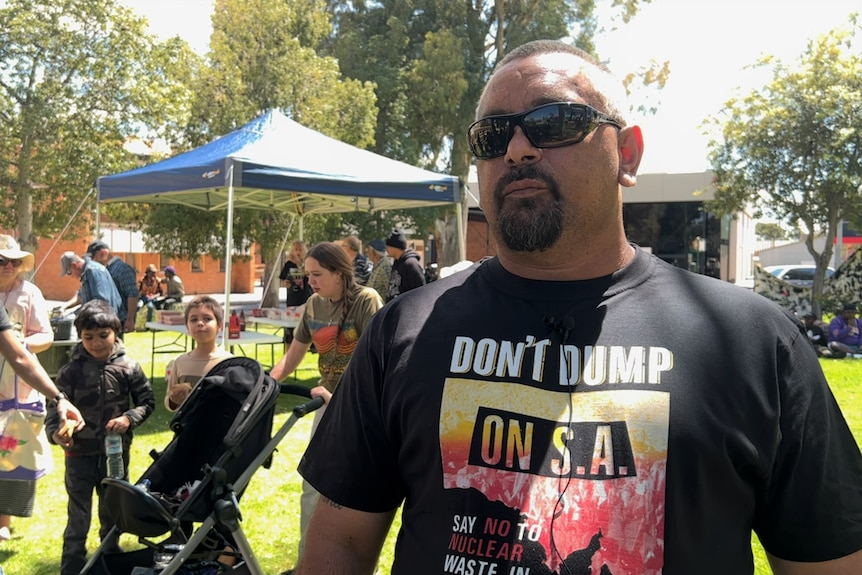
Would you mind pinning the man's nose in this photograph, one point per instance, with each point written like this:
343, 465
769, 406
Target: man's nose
520, 149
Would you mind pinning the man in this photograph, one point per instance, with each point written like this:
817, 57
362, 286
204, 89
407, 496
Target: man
124, 277
96, 283
845, 336
576, 405
407, 272
361, 266
381, 269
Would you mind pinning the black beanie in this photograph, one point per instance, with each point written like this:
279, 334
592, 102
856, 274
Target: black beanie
397, 240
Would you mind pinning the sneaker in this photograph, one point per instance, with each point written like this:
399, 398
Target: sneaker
5, 535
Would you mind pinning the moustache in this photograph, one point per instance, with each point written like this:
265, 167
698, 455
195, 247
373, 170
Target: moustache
529, 172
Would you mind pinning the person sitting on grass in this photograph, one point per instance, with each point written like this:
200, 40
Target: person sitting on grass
844, 334
114, 396
816, 331
204, 320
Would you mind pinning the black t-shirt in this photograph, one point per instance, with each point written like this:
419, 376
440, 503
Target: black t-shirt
298, 290
618, 423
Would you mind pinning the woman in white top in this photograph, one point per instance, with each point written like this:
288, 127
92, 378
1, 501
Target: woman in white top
28, 313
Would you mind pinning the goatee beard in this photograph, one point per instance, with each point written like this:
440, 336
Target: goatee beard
529, 224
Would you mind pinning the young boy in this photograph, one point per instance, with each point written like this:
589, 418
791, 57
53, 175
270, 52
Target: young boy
204, 319
100, 379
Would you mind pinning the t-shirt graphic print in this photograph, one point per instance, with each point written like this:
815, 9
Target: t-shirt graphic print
584, 474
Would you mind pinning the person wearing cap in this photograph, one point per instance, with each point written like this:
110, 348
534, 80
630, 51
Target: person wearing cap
125, 278
96, 283
31, 326
407, 272
361, 266
174, 289
381, 269
150, 289
844, 333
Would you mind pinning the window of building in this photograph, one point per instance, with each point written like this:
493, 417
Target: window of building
681, 233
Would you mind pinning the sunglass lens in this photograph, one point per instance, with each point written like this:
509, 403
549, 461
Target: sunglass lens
489, 137
15, 263
556, 124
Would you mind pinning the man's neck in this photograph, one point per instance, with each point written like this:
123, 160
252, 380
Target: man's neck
558, 265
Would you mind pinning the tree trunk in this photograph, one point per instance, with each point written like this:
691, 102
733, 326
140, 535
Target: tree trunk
447, 241
271, 282
24, 206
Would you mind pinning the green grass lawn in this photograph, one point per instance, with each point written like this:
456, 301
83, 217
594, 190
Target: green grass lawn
270, 505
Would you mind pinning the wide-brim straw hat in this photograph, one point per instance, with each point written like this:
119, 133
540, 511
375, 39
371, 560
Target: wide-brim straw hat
10, 250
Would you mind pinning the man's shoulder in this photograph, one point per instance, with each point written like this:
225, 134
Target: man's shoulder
124, 267
94, 267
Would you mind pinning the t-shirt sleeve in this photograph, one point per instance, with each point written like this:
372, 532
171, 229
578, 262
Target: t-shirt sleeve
39, 321
813, 498
350, 459
369, 302
301, 332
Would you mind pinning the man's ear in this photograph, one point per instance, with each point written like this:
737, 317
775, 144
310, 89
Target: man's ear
631, 151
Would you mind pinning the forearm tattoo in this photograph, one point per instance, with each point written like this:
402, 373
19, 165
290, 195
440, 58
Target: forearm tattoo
331, 503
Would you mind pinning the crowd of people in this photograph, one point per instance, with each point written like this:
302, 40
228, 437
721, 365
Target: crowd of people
390, 267
326, 280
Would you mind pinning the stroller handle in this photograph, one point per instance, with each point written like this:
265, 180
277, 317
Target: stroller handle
302, 409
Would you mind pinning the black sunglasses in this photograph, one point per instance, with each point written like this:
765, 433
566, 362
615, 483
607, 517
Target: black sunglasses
15, 263
548, 126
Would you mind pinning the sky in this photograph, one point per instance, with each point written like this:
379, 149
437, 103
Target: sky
708, 44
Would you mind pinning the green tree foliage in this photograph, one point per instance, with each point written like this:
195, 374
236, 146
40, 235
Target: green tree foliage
793, 149
429, 60
78, 78
770, 231
262, 56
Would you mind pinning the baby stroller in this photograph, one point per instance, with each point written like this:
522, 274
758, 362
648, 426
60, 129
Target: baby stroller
222, 435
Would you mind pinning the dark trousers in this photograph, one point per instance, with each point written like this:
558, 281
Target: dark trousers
84, 473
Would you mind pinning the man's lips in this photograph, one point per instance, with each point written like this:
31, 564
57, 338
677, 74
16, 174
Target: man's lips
524, 187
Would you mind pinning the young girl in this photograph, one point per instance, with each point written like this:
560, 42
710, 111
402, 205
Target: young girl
334, 318
204, 320
114, 396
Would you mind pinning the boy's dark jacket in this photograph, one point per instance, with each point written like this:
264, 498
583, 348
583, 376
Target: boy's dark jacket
102, 391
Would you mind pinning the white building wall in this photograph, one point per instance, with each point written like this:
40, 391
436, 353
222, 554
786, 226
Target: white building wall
791, 254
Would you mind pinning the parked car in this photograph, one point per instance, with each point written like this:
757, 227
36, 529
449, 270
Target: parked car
798, 275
